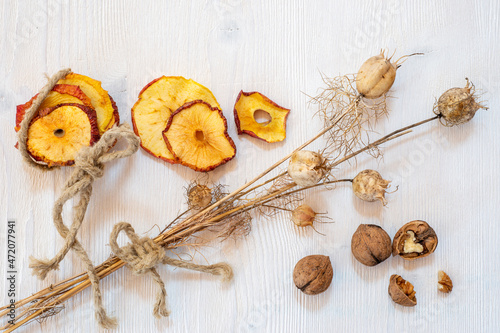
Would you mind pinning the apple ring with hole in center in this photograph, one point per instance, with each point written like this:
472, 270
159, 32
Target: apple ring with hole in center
247, 107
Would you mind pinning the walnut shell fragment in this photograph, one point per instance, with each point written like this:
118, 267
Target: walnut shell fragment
401, 291
313, 274
416, 239
370, 244
445, 284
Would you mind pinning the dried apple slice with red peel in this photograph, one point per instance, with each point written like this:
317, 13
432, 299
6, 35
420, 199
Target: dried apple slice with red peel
244, 115
157, 101
103, 104
61, 93
56, 134
115, 120
196, 134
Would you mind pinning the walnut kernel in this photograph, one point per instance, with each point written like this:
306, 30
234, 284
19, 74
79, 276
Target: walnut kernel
444, 282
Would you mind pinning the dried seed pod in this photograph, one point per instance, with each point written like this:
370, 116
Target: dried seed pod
313, 274
444, 282
370, 244
401, 291
376, 76
416, 239
199, 196
457, 105
303, 216
306, 167
369, 185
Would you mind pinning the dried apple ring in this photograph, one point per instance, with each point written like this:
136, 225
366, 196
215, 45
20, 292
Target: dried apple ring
247, 104
196, 134
56, 134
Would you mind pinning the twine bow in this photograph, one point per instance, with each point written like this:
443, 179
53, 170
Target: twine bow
89, 165
143, 254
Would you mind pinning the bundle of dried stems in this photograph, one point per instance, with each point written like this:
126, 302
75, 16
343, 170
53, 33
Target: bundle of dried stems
348, 118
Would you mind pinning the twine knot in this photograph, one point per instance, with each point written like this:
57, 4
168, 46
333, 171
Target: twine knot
143, 254
88, 164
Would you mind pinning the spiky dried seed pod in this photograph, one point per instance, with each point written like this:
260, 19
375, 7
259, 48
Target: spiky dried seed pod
370, 244
401, 291
457, 105
199, 196
303, 216
306, 168
376, 76
369, 185
313, 274
445, 284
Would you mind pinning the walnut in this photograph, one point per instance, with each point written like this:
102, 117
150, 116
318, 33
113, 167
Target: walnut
414, 240
370, 244
444, 282
401, 291
313, 274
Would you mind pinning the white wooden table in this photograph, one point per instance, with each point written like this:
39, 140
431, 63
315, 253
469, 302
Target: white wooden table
446, 176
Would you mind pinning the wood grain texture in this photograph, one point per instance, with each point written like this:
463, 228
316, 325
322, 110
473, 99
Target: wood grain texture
445, 176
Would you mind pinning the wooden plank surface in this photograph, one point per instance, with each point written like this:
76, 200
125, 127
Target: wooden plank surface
446, 176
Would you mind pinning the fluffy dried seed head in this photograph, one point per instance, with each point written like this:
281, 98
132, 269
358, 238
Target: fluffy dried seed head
199, 196
376, 76
303, 216
369, 185
401, 291
306, 168
445, 284
457, 105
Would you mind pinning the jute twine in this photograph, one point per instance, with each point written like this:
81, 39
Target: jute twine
142, 255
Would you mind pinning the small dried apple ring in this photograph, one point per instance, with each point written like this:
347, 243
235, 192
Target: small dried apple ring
247, 104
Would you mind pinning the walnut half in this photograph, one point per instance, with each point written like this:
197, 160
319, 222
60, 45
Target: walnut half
414, 240
401, 291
